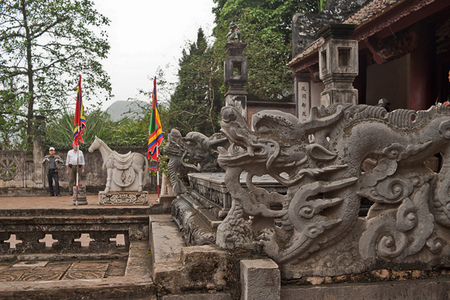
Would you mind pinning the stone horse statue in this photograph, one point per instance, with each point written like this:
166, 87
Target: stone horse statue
122, 168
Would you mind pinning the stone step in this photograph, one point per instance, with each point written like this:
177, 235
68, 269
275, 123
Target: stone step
165, 240
204, 212
106, 288
76, 211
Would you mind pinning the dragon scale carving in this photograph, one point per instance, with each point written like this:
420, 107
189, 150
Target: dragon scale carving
340, 155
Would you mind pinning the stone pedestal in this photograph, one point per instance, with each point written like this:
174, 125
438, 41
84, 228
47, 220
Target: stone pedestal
123, 198
81, 199
260, 279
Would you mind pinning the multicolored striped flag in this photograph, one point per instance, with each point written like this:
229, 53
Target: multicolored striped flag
155, 133
79, 120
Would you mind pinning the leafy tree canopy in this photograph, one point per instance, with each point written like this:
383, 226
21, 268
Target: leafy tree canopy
44, 45
196, 102
266, 28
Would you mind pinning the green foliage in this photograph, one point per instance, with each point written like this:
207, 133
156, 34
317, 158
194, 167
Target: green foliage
59, 130
44, 45
266, 28
126, 132
321, 5
11, 121
196, 102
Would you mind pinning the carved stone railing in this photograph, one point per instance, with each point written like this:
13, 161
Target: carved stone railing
210, 190
12, 168
314, 229
74, 234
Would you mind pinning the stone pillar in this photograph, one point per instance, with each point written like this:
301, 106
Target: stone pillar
235, 74
338, 64
38, 153
166, 187
422, 69
260, 279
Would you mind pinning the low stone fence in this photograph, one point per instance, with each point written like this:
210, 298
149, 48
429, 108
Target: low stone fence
20, 173
62, 234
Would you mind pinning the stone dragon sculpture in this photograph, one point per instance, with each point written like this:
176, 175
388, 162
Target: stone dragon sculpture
195, 151
321, 162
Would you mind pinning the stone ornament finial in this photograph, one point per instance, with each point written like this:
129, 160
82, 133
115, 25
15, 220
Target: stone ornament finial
234, 36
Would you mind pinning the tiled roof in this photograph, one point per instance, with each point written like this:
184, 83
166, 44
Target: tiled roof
308, 51
370, 10
366, 13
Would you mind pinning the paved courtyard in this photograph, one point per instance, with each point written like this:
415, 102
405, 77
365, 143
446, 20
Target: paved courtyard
63, 202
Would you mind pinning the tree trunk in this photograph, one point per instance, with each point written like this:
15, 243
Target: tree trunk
28, 40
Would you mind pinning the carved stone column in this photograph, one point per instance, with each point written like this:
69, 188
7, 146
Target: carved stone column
235, 73
38, 153
338, 64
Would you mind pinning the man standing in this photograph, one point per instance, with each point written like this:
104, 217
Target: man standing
54, 163
74, 156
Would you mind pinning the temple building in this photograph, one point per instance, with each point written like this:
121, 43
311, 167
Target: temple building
397, 50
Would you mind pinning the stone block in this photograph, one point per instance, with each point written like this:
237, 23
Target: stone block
199, 268
260, 279
123, 198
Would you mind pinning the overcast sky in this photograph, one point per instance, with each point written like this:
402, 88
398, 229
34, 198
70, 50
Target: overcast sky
147, 34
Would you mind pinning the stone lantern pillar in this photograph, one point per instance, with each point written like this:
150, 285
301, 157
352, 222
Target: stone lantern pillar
38, 153
235, 73
338, 64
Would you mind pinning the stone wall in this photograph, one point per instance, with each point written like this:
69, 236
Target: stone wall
18, 173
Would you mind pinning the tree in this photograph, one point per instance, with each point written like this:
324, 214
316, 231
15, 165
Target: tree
266, 28
9, 108
44, 45
196, 102
125, 132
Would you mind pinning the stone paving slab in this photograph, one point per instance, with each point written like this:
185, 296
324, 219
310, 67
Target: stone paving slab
41, 274
116, 268
62, 270
87, 270
12, 274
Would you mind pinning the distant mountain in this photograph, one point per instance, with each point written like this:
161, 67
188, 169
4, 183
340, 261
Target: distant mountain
121, 109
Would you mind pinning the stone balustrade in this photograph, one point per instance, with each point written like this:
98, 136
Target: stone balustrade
74, 234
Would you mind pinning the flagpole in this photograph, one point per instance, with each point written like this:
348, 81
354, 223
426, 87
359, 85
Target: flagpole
78, 158
157, 172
